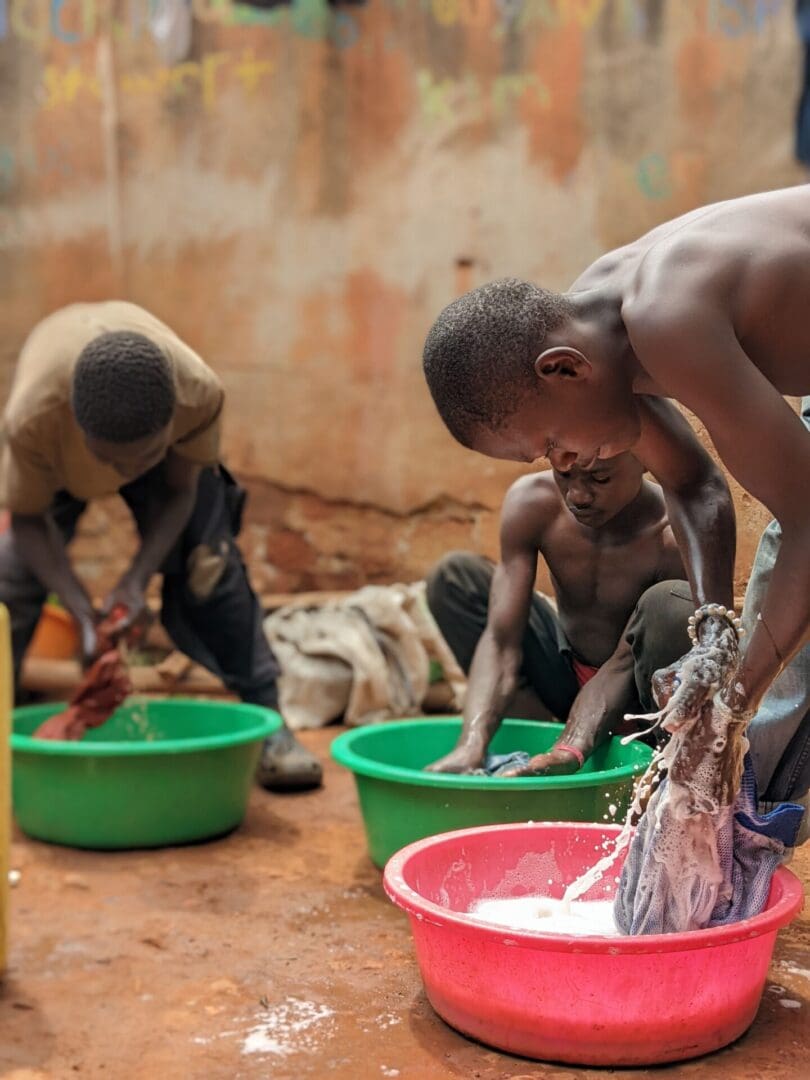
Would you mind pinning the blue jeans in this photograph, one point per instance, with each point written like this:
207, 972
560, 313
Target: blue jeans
780, 732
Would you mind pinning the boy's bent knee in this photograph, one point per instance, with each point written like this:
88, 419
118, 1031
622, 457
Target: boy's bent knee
665, 603
459, 573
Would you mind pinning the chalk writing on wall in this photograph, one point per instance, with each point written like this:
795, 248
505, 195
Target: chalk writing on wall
448, 99
653, 176
71, 22
439, 99
734, 18
210, 75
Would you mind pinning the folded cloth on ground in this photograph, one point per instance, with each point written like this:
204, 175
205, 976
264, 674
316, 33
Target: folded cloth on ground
365, 658
749, 848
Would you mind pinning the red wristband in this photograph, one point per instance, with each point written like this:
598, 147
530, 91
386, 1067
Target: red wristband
572, 750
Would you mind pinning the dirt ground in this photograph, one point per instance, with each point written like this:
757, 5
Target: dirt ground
274, 953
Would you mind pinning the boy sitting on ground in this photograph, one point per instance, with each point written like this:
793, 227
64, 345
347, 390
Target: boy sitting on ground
622, 611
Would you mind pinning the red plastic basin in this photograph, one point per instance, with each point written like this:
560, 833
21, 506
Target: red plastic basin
585, 1001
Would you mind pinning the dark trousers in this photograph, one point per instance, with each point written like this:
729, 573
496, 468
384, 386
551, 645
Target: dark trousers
209, 608
458, 596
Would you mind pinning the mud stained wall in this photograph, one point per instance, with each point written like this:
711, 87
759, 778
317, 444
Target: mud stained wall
302, 188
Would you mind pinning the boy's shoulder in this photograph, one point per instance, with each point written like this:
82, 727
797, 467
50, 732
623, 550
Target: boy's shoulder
531, 506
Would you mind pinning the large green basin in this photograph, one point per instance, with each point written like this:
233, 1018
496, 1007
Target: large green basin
158, 772
401, 803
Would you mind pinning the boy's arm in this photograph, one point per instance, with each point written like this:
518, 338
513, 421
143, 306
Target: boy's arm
43, 550
767, 449
697, 496
29, 483
167, 523
597, 710
496, 663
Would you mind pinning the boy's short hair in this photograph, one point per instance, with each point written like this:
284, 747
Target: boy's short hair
479, 354
123, 388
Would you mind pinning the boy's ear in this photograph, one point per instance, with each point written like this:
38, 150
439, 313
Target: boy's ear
562, 362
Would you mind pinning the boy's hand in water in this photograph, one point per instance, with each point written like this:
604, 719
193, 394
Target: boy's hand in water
556, 762
464, 759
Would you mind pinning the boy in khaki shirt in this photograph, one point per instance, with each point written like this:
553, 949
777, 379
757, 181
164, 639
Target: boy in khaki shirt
108, 399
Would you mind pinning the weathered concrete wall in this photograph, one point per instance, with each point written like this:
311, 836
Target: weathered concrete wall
302, 193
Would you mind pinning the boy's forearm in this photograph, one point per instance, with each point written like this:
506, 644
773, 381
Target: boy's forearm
601, 704
43, 551
492, 681
703, 522
168, 523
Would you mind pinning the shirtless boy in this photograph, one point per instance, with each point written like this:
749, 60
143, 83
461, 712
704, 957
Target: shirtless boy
709, 309
621, 610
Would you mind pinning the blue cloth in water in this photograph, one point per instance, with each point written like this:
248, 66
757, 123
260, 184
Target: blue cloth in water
495, 764
750, 847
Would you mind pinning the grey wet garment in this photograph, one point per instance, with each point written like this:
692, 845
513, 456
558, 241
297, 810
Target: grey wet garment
749, 848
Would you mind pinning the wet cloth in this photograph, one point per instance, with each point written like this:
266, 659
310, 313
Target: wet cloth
749, 848
103, 688
101, 691
458, 595
365, 658
495, 764
43, 450
700, 854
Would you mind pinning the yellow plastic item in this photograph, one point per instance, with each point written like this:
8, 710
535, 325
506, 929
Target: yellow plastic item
6, 695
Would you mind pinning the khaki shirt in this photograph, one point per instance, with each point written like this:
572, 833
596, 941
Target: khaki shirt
43, 449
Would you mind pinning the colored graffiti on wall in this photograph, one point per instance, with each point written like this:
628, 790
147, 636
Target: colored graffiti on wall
72, 22
653, 176
468, 98
452, 100
208, 76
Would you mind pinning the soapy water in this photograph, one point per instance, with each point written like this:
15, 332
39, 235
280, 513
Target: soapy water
541, 914
139, 722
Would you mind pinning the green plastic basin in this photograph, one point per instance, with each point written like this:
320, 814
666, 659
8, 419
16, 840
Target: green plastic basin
400, 803
158, 772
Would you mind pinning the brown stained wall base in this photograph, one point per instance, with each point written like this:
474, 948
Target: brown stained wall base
297, 541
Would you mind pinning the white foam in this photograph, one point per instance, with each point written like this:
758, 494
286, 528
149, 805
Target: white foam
580, 918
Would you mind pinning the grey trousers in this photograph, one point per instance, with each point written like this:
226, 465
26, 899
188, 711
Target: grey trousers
458, 596
780, 732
